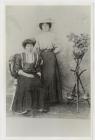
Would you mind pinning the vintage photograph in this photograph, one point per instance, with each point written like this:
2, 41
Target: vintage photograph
48, 65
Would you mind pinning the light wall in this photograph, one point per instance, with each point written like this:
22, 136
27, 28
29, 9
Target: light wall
22, 22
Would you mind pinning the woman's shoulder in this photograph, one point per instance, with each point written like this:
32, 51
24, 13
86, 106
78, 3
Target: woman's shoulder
15, 56
18, 55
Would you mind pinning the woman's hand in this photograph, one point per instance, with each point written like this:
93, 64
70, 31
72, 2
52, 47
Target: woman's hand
56, 48
15, 82
39, 74
21, 72
56, 51
28, 75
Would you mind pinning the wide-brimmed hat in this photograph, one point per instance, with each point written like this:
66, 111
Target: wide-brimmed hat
29, 41
47, 21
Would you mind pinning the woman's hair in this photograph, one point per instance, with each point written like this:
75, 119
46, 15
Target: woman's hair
28, 41
41, 24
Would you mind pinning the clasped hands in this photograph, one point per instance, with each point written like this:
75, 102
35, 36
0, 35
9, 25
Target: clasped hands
21, 72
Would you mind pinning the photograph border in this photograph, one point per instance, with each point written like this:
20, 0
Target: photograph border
3, 75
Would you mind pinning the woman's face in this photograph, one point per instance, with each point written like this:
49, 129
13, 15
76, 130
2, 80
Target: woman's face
29, 48
45, 27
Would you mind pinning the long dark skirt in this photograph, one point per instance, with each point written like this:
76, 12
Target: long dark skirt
29, 94
51, 77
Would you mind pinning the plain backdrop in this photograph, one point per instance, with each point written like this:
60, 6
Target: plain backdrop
22, 22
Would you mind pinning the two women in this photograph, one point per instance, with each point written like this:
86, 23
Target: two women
37, 73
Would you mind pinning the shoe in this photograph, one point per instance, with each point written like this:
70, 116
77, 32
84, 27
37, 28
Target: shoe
45, 110
42, 110
21, 113
28, 113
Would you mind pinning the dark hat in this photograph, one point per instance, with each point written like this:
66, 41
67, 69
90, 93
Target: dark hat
28, 41
41, 24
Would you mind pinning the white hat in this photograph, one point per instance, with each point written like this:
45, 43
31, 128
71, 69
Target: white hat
47, 21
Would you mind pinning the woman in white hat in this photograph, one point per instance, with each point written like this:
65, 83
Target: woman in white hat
47, 45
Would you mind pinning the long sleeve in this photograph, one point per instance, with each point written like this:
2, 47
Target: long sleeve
15, 65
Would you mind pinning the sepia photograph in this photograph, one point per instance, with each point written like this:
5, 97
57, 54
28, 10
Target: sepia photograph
48, 75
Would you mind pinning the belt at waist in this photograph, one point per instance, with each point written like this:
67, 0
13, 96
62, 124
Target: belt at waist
47, 50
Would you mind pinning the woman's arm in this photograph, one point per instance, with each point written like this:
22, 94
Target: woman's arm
56, 44
14, 65
18, 67
21, 72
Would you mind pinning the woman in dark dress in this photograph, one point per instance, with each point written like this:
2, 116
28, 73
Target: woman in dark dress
51, 79
26, 69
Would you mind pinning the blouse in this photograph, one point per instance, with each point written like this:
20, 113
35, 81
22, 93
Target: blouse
47, 40
19, 62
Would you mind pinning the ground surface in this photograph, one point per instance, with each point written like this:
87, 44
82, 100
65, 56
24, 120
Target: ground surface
61, 121
66, 111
